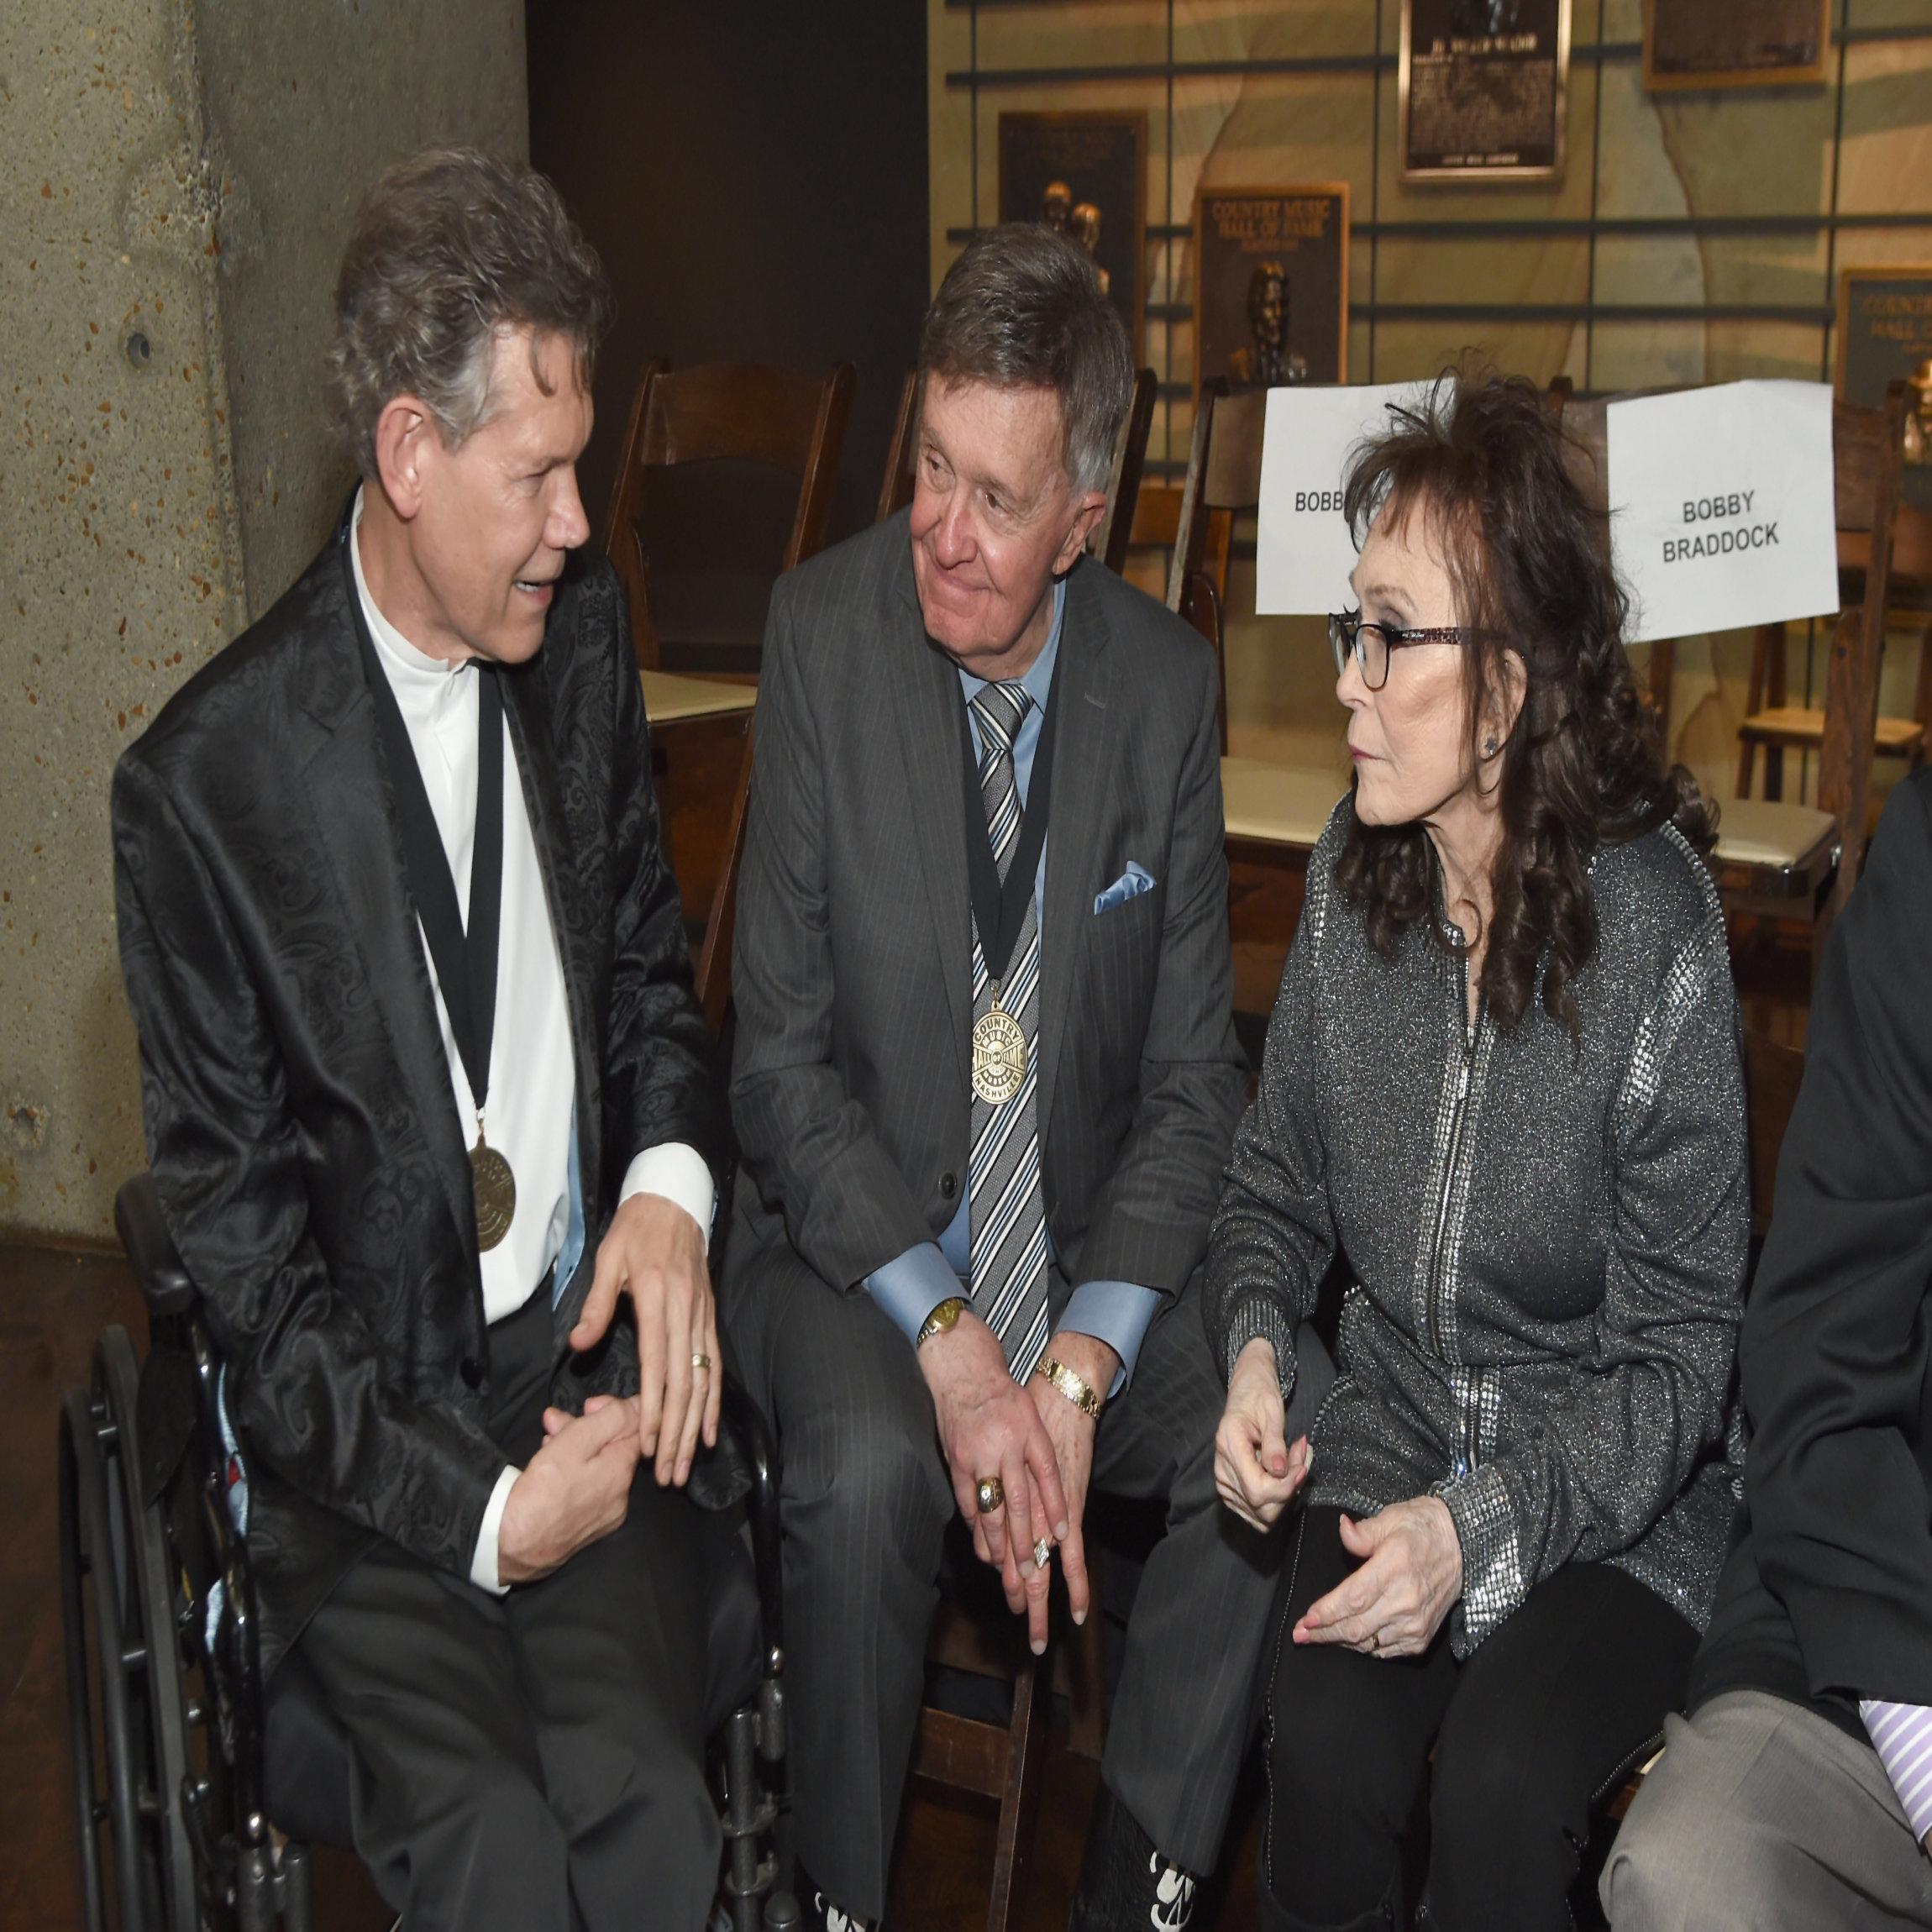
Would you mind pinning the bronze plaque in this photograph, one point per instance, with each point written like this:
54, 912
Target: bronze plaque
1734, 43
1271, 284
1084, 174
1484, 88
1885, 331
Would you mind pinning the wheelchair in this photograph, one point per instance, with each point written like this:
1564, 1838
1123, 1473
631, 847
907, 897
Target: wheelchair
199, 1789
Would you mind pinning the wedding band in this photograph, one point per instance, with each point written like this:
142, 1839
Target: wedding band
700, 1361
1375, 1639
992, 1496
1042, 1552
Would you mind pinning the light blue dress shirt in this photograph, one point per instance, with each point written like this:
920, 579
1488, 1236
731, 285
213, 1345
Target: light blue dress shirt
912, 1285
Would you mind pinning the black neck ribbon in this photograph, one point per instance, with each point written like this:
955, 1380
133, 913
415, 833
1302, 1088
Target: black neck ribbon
464, 955
1000, 909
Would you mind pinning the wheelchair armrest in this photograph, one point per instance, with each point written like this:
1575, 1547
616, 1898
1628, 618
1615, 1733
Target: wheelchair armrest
165, 1283
742, 1416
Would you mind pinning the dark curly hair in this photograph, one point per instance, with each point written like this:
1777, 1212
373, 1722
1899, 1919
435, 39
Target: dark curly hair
1484, 463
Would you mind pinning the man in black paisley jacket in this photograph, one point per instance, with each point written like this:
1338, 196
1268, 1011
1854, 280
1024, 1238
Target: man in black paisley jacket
462, 1457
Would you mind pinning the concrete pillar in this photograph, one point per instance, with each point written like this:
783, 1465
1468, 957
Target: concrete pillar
176, 183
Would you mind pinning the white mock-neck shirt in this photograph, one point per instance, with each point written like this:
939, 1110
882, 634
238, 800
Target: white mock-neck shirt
529, 1112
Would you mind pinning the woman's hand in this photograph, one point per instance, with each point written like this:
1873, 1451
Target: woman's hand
1257, 1473
1394, 1605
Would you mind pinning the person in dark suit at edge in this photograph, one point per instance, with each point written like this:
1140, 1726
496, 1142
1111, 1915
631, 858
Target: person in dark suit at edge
427, 1091
985, 1082
1797, 1791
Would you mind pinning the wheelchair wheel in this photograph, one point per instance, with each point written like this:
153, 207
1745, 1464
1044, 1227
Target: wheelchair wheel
123, 1655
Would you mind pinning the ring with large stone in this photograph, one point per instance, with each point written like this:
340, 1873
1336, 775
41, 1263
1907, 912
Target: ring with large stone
1042, 1552
992, 1494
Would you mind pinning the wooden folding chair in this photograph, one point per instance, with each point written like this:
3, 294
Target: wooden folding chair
724, 411
1774, 860
1778, 726
1112, 538
1275, 813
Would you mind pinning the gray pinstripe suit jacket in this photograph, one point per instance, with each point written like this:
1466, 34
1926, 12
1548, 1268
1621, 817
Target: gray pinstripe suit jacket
852, 965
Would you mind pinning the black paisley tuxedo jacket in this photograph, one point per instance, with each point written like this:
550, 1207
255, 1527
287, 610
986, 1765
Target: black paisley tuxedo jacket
300, 1117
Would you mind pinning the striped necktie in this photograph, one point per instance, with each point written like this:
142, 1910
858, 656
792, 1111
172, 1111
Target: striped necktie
1008, 1215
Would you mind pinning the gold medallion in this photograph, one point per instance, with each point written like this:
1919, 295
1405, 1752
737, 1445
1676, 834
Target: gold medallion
495, 1187
998, 1054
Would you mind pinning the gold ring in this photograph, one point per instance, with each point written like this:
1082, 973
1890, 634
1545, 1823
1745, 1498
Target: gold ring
1375, 1639
700, 1361
992, 1496
1042, 1551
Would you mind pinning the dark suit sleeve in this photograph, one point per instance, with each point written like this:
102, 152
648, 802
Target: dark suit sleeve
1835, 1346
810, 1146
661, 1079
1149, 1222
310, 1394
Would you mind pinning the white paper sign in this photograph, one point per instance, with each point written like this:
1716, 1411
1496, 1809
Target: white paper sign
1722, 510
1303, 550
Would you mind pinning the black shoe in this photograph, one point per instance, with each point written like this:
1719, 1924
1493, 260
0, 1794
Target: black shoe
1126, 1884
821, 1915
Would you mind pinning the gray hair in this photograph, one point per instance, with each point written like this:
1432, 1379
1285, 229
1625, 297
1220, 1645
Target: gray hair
451, 246
1022, 308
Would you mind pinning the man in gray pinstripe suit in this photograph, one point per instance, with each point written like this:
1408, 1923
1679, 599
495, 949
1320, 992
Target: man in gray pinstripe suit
986, 1077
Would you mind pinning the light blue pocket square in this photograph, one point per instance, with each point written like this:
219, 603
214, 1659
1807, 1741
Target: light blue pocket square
1130, 884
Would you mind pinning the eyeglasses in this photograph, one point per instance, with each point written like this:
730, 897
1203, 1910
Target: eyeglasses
1370, 644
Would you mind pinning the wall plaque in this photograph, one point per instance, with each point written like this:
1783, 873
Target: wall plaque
1483, 87
1085, 173
1271, 284
1735, 43
1884, 331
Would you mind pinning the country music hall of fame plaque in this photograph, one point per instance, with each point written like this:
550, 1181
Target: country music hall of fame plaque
1885, 331
1484, 87
1271, 284
1084, 174
1735, 43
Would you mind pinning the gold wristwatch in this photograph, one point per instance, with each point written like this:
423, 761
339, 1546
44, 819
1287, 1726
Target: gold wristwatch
1076, 1388
942, 1318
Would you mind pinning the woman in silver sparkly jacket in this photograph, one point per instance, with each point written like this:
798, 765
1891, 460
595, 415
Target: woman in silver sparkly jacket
1502, 1090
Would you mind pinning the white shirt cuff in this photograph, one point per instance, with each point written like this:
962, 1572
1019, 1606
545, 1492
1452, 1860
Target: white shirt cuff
678, 1173
483, 1563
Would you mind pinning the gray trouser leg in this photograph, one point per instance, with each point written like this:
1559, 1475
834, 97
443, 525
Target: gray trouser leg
865, 1499
1187, 1698
1763, 1816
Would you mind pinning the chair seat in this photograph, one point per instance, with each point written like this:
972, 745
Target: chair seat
1277, 804
1794, 725
669, 699
1761, 832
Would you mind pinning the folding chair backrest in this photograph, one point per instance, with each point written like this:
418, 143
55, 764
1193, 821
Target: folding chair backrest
1115, 529
744, 411
1223, 479
895, 488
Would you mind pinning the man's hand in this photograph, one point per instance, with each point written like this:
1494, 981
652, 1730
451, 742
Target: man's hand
1258, 1473
989, 1427
576, 1489
654, 1252
1071, 1431
1394, 1605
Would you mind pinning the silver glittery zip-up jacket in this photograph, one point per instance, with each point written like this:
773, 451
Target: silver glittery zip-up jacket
1545, 1240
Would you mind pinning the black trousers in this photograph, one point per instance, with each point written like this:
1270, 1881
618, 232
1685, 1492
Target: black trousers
1556, 1705
866, 1499
534, 1761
